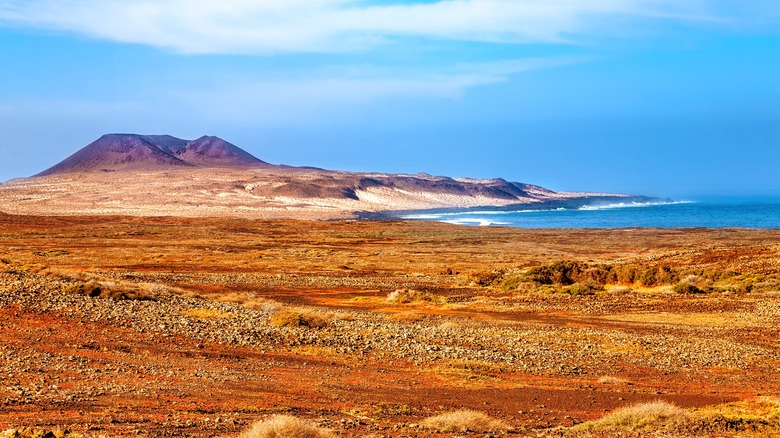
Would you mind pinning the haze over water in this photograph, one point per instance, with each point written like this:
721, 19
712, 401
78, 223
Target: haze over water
711, 212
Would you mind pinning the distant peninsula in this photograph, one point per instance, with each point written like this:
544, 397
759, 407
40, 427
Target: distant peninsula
161, 175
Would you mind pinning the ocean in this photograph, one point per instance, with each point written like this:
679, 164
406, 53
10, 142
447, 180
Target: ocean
708, 212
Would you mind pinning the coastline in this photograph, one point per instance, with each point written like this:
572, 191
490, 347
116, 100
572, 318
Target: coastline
554, 204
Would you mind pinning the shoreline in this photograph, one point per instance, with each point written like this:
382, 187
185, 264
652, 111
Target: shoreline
568, 204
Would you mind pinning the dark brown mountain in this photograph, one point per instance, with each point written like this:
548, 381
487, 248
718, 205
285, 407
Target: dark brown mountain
113, 152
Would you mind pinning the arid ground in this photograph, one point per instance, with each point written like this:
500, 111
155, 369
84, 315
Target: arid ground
129, 326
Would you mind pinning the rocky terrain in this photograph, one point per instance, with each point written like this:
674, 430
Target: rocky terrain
132, 326
159, 175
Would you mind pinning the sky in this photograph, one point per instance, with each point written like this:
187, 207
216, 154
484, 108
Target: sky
676, 98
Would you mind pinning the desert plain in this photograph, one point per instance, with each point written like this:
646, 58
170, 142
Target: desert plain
165, 326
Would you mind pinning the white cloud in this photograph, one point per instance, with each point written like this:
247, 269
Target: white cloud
284, 26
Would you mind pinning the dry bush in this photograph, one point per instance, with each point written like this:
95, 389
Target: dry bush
113, 290
406, 296
464, 421
612, 380
656, 416
297, 318
285, 426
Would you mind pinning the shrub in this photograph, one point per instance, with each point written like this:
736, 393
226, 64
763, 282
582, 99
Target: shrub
656, 416
686, 288
464, 421
297, 318
565, 273
558, 273
285, 426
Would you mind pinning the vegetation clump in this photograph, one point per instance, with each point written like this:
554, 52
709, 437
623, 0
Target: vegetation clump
654, 416
465, 421
285, 426
96, 289
580, 278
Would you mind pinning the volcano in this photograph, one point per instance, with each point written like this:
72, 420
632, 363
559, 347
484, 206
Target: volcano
113, 152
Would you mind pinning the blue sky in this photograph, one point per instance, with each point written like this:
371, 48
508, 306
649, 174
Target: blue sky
657, 97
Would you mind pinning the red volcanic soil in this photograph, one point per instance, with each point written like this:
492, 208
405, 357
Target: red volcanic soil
199, 349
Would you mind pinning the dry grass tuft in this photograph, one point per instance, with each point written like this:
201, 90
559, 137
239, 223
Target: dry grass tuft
406, 296
619, 290
204, 313
612, 380
657, 416
285, 426
232, 297
756, 409
297, 318
249, 301
464, 421
262, 304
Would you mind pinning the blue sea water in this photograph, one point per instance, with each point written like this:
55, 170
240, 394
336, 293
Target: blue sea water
710, 213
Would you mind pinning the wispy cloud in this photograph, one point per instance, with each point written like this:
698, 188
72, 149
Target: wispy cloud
290, 26
323, 92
